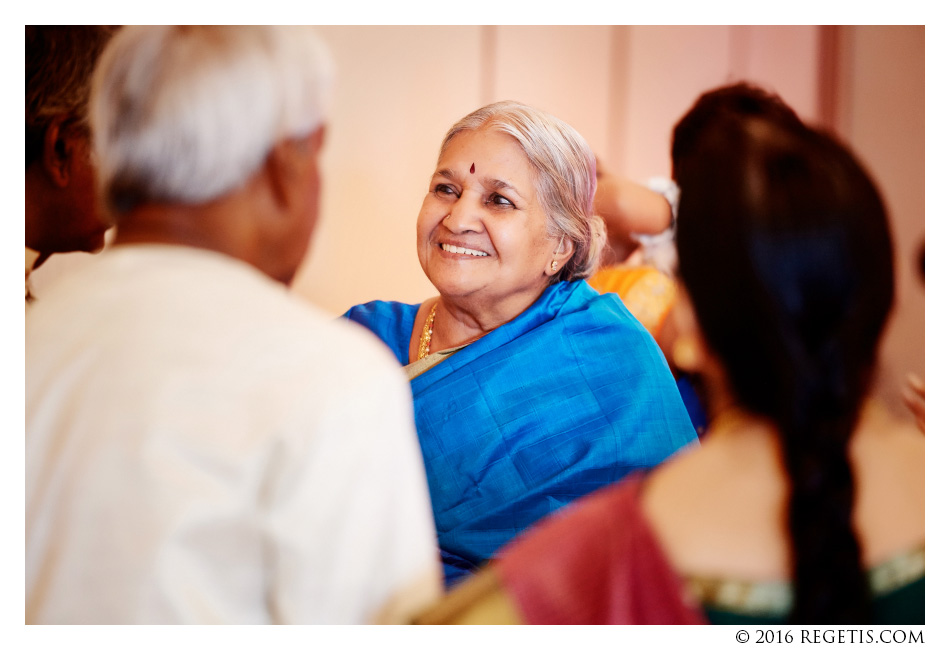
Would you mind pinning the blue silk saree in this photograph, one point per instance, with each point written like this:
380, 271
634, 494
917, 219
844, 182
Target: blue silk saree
569, 396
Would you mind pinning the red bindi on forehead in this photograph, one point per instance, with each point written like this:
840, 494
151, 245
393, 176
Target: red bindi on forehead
471, 170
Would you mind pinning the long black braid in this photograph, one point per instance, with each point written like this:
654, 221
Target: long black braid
785, 251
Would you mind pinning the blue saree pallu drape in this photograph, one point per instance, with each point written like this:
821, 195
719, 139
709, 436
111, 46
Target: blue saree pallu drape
569, 396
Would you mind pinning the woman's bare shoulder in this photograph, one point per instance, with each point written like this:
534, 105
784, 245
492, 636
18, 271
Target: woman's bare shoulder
718, 510
888, 459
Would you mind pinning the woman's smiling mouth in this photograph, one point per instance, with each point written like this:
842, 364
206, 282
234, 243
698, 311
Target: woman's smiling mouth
449, 248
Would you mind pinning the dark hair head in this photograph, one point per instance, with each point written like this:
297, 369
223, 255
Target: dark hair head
59, 64
785, 251
739, 100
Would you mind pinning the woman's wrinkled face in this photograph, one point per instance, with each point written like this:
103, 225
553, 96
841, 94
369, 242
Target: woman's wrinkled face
482, 233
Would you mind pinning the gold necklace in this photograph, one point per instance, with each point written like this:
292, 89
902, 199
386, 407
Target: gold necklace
426, 337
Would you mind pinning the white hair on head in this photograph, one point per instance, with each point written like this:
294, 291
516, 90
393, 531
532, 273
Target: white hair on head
565, 173
186, 114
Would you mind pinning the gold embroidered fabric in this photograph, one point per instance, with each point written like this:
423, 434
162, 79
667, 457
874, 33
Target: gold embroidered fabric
775, 598
419, 366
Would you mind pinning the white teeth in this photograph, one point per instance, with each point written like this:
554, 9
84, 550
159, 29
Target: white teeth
449, 248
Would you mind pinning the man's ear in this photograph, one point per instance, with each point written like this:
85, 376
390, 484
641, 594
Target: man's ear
278, 168
288, 161
317, 138
58, 149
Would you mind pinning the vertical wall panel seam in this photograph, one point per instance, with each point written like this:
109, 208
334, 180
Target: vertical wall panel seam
489, 47
739, 52
618, 90
828, 75
844, 110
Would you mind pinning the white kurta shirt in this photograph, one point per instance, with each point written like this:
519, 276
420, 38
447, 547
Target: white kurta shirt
204, 447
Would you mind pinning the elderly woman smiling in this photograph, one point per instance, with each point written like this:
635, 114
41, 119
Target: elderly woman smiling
530, 389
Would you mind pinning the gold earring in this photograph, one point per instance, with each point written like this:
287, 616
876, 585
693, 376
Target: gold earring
686, 353
554, 265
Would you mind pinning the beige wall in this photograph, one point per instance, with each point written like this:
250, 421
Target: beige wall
882, 116
666, 68
623, 87
401, 88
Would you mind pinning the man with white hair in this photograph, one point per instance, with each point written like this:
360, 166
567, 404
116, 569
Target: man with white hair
201, 446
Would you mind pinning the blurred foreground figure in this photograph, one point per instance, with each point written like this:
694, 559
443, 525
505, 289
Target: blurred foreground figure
61, 210
201, 446
805, 502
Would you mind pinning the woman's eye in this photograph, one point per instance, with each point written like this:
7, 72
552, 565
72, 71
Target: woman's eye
442, 188
498, 199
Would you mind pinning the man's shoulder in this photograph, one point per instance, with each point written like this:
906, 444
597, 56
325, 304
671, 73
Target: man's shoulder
350, 341
205, 303
316, 343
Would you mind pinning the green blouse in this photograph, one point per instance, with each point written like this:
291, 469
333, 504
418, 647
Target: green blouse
897, 588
